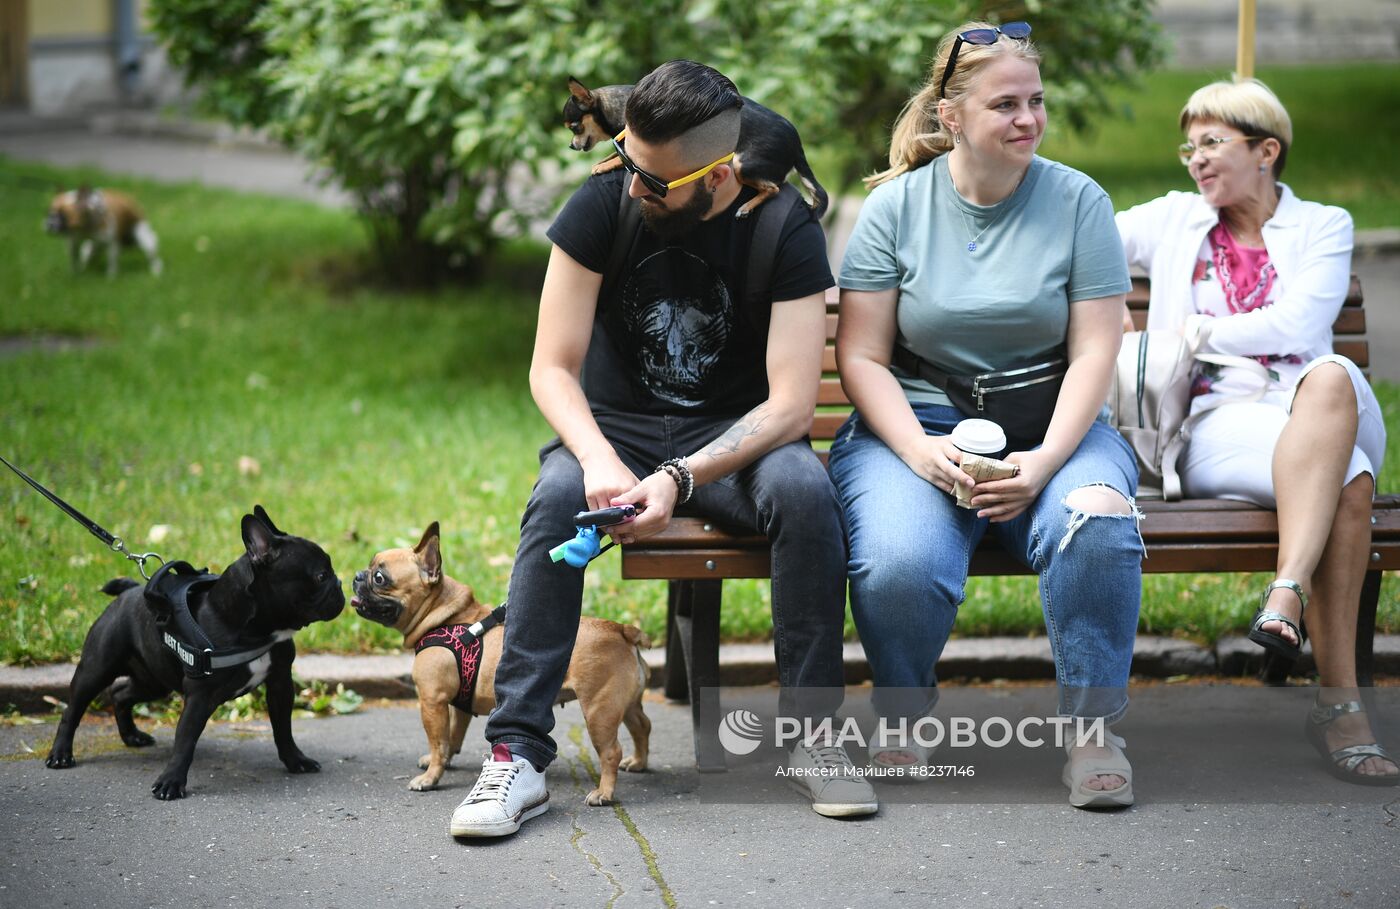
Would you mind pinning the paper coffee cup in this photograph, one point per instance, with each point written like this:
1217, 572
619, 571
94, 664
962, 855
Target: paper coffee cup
977, 439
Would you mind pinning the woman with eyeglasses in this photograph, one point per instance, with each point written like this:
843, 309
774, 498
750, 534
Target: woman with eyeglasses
1245, 267
973, 258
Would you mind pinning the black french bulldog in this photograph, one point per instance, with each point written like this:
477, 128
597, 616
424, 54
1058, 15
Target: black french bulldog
282, 583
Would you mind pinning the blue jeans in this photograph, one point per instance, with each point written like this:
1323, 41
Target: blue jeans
911, 545
786, 494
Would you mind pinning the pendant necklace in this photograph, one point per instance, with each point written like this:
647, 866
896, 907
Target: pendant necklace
972, 241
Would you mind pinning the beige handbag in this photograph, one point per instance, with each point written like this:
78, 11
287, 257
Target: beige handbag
1151, 397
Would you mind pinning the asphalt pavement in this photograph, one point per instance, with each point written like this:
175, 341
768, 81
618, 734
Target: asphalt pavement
1233, 811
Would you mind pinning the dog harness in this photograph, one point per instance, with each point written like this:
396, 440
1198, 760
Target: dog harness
168, 597
465, 643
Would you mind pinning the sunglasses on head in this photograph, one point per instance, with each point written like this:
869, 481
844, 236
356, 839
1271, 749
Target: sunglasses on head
654, 184
1016, 31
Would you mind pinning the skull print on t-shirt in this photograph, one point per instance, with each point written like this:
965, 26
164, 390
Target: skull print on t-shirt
678, 316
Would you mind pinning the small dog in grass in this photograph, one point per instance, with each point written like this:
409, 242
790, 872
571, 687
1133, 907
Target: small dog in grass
454, 666
89, 216
769, 146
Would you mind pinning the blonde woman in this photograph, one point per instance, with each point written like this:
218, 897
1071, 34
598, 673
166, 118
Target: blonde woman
1246, 267
973, 255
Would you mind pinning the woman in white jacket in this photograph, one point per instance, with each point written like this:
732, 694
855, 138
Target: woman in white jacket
1244, 267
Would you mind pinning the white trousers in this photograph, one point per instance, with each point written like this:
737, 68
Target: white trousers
1231, 451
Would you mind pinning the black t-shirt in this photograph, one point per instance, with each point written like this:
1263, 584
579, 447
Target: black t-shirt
680, 333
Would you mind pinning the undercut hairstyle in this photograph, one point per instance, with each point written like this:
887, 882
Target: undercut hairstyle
919, 134
711, 140
1249, 106
689, 101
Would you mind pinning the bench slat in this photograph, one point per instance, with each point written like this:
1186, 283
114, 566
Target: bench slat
824, 425
829, 392
668, 564
1194, 535
1191, 518
1137, 297
988, 560
1349, 322
1356, 351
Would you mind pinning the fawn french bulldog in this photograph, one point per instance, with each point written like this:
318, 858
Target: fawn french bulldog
406, 590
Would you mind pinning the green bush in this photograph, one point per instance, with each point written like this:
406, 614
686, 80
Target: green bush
441, 116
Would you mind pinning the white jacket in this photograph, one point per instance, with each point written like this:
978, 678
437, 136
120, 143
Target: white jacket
1309, 245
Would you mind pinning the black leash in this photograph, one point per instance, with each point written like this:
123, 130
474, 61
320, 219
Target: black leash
113, 543
167, 593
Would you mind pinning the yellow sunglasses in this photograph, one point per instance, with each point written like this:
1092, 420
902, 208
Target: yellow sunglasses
656, 185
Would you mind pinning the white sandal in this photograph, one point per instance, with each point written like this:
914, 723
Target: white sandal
1078, 770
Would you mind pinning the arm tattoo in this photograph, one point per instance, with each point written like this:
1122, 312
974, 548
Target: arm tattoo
733, 438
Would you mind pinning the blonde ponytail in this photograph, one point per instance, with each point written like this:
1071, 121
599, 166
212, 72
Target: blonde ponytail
918, 136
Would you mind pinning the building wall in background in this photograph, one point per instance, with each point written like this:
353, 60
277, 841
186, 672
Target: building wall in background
74, 65
1202, 33
50, 19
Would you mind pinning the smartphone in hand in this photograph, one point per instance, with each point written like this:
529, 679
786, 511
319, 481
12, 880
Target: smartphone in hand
606, 517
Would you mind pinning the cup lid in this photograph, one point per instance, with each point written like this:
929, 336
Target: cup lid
978, 437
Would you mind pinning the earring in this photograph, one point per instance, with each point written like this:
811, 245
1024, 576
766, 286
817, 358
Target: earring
957, 138
1263, 168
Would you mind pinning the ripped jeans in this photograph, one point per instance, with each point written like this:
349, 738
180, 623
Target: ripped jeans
910, 548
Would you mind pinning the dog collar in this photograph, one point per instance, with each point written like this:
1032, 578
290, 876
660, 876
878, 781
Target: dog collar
167, 596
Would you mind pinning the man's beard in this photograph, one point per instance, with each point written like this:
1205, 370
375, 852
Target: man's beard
673, 224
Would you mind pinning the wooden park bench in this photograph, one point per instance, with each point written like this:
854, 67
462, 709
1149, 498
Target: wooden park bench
1192, 536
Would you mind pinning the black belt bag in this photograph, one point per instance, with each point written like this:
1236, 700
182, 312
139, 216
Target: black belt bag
1021, 400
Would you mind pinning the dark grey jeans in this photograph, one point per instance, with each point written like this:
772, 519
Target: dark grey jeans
786, 495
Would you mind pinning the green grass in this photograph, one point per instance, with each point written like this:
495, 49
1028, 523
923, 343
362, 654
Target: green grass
370, 413
1343, 139
373, 413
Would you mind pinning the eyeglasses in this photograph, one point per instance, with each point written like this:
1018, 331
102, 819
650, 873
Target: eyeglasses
1016, 31
1186, 150
654, 184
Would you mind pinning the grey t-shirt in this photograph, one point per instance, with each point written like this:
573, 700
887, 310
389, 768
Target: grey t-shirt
1051, 243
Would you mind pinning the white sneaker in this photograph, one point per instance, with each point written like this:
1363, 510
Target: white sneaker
825, 774
508, 792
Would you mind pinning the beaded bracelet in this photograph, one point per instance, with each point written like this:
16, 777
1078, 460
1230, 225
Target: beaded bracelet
677, 469
674, 473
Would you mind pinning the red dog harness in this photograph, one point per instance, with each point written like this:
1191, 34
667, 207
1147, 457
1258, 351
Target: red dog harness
465, 643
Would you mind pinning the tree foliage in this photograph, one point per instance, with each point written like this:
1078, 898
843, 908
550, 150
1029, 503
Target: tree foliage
442, 116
